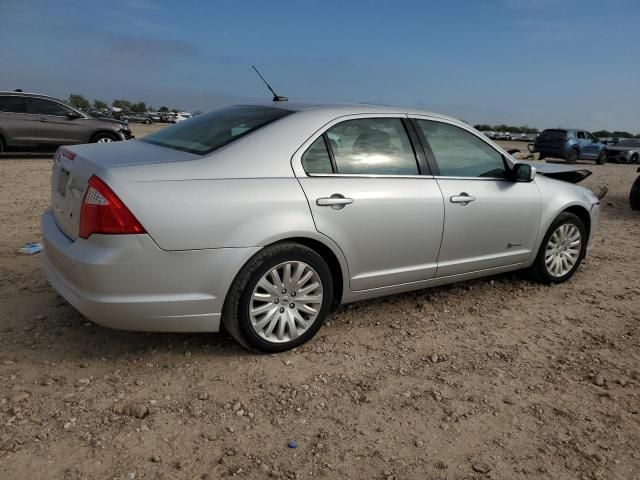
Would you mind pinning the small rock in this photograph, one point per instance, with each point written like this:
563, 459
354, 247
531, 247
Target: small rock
237, 406
419, 443
481, 467
156, 459
440, 465
203, 396
434, 358
598, 380
18, 397
131, 476
293, 444
139, 382
139, 411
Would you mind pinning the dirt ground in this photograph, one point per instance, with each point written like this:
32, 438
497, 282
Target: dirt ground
495, 378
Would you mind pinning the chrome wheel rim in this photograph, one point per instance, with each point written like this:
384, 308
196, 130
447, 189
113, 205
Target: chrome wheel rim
105, 140
563, 250
285, 302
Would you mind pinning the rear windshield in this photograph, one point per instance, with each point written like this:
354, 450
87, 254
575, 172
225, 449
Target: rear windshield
554, 134
205, 133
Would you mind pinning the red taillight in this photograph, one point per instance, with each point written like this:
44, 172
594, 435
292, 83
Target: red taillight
103, 212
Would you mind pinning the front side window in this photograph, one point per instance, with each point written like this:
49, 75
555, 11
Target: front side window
581, 135
372, 146
13, 104
459, 153
208, 132
41, 106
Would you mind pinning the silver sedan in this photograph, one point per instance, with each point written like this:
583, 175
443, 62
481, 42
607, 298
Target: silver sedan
263, 218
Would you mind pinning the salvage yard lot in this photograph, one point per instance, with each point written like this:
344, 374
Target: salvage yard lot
493, 378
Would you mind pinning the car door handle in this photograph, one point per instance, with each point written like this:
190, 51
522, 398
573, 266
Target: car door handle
463, 199
335, 201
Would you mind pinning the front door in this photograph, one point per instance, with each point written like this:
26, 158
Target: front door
366, 193
490, 221
53, 125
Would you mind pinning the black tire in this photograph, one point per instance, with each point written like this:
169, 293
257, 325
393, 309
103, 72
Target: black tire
541, 156
147, 122
602, 158
104, 137
635, 158
572, 156
634, 196
235, 315
539, 269
1, 146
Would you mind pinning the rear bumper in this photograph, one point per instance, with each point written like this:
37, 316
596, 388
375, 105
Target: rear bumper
127, 282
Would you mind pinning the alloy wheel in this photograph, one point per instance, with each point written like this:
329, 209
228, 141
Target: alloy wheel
563, 250
105, 140
285, 302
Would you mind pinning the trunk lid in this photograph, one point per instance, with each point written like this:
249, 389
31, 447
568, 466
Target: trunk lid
74, 165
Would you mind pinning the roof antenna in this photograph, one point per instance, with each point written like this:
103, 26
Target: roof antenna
276, 97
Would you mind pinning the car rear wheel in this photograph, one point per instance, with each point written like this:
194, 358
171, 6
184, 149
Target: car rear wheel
634, 196
1, 146
572, 156
280, 298
147, 122
635, 158
602, 158
104, 138
562, 250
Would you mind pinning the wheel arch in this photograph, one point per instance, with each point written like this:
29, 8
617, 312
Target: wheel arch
583, 214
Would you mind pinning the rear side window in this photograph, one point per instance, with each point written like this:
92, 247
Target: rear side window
13, 104
205, 133
40, 106
373, 146
554, 134
316, 159
459, 153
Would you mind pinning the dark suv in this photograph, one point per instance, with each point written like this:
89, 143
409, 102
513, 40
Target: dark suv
570, 144
30, 121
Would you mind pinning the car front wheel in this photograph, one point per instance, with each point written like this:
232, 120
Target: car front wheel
602, 158
572, 156
280, 298
104, 138
562, 250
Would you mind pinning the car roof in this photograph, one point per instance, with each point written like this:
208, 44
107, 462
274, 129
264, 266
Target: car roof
349, 108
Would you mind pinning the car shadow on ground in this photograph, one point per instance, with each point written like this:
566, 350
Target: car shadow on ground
82, 340
27, 155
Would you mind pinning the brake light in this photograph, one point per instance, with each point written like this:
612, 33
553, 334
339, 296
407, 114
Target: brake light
103, 212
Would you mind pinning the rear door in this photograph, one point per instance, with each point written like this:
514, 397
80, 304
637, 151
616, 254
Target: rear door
53, 125
366, 192
490, 221
16, 125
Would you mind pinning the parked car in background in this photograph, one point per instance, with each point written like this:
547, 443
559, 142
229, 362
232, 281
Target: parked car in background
625, 151
155, 116
136, 117
293, 209
634, 195
181, 117
39, 122
570, 144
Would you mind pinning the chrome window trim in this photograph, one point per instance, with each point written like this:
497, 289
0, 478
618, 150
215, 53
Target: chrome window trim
368, 175
444, 177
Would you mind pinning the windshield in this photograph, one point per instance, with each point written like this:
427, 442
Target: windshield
205, 133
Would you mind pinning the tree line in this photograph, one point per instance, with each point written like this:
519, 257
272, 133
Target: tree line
506, 128
79, 101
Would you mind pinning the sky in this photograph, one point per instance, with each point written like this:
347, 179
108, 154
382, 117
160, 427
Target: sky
545, 63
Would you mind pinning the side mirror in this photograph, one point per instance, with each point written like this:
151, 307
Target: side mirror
523, 172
